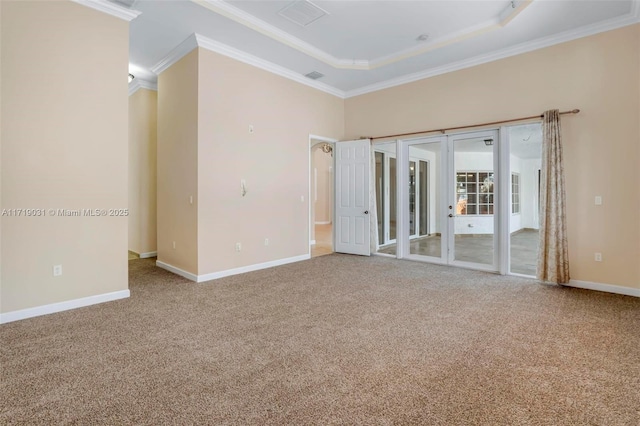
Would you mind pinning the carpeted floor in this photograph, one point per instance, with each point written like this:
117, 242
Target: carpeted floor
337, 339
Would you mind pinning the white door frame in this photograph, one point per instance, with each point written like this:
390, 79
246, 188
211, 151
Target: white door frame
497, 199
313, 141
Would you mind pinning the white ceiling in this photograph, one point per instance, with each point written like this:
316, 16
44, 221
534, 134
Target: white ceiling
362, 46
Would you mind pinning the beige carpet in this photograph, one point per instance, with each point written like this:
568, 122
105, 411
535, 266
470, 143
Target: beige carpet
335, 340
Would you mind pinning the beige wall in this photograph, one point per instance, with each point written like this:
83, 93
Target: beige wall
64, 145
599, 75
178, 164
274, 161
143, 107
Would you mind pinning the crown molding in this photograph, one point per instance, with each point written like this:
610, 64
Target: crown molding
110, 9
239, 55
197, 40
138, 84
240, 16
175, 54
631, 18
496, 23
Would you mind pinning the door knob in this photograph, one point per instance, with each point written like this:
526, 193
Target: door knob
366, 212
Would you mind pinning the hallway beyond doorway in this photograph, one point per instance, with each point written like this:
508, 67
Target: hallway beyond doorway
324, 240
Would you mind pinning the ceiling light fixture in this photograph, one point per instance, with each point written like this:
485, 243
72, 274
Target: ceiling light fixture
422, 37
488, 142
131, 77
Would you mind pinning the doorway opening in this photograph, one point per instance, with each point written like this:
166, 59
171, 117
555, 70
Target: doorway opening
321, 195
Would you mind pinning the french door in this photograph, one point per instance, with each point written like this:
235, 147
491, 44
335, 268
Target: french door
457, 220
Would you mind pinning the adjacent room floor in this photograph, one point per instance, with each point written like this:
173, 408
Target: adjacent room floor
479, 249
324, 240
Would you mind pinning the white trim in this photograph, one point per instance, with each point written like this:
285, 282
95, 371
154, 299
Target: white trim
138, 84
175, 54
240, 16
250, 268
177, 271
110, 9
196, 40
610, 24
312, 242
239, 55
264, 28
328, 222
148, 254
62, 306
607, 288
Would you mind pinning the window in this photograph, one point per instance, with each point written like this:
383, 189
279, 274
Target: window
515, 193
474, 193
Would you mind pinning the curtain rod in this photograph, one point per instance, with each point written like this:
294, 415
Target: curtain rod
573, 111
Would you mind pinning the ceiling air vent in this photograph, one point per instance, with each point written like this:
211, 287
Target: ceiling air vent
302, 12
314, 75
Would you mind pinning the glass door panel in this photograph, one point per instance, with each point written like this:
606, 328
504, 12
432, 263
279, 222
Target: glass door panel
385, 154
392, 226
423, 197
472, 218
425, 191
412, 198
525, 147
380, 195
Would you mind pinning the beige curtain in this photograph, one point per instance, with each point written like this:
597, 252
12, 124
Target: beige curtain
553, 258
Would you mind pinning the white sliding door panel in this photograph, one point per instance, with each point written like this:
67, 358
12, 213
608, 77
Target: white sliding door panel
352, 197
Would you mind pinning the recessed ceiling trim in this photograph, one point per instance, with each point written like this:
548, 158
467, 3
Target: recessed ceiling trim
110, 9
610, 24
250, 21
194, 41
138, 84
240, 16
501, 21
197, 40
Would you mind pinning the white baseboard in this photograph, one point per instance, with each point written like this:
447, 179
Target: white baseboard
249, 268
229, 272
177, 271
323, 223
312, 242
607, 288
62, 306
148, 255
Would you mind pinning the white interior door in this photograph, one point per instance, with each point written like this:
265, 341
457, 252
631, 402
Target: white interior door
352, 173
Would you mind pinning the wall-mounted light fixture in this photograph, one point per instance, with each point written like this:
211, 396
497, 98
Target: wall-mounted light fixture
131, 77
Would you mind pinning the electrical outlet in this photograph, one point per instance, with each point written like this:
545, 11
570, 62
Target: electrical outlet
57, 270
238, 246
598, 200
266, 241
174, 245
598, 257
